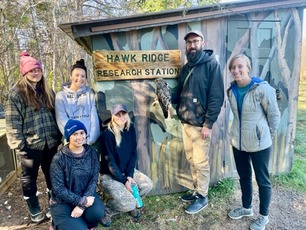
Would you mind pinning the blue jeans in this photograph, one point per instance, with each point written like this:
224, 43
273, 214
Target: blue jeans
260, 162
62, 220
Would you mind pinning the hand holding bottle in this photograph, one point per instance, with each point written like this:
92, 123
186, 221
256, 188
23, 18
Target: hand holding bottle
136, 194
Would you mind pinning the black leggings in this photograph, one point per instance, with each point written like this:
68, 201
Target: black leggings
62, 220
30, 162
260, 162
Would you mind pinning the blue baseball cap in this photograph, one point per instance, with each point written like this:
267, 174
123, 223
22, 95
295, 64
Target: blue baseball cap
118, 107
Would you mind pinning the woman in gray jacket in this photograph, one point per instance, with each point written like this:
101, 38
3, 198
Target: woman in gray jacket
256, 118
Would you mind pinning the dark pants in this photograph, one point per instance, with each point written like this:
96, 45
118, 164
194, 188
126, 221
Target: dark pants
62, 220
30, 162
260, 162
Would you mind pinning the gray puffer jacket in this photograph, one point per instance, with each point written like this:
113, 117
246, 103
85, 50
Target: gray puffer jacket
254, 128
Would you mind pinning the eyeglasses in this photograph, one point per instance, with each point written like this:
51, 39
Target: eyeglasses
33, 71
194, 42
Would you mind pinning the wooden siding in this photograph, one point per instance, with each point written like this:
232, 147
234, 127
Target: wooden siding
275, 35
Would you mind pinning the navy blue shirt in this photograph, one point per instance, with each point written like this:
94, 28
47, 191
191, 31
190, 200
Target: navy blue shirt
118, 161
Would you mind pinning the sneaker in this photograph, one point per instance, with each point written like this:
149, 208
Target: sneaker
238, 213
106, 221
197, 205
189, 196
38, 217
136, 213
48, 213
36, 214
260, 223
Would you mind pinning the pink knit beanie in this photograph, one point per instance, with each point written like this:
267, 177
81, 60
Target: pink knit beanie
28, 63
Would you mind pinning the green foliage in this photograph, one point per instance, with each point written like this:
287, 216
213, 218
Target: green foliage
222, 190
155, 6
296, 179
167, 211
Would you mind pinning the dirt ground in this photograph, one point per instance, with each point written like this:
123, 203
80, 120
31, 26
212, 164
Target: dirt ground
288, 212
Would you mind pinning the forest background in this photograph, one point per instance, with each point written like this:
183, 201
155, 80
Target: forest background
32, 25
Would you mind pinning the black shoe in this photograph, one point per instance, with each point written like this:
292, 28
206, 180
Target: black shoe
106, 221
197, 205
189, 196
136, 213
37, 215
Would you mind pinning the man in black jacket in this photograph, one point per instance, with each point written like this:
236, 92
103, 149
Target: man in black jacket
199, 99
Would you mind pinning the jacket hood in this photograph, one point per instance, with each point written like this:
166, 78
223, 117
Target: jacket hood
206, 56
254, 82
65, 150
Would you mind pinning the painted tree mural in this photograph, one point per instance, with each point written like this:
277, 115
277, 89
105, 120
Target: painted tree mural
272, 39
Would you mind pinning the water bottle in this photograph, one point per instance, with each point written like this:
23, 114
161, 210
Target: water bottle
135, 193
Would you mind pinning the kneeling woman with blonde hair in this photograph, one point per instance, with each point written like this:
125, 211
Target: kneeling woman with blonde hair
119, 154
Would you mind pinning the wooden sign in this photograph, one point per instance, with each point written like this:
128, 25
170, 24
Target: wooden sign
129, 65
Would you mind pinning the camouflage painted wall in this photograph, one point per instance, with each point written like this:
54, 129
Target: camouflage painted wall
273, 42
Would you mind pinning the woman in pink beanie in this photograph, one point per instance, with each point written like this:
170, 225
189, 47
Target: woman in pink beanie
31, 129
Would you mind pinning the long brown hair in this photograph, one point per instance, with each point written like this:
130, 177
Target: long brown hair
36, 97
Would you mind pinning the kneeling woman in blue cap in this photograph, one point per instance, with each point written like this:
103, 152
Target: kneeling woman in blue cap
75, 203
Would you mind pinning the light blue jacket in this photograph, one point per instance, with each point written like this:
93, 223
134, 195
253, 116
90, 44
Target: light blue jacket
254, 128
80, 106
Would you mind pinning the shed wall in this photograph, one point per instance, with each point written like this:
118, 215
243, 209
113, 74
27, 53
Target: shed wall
276, 56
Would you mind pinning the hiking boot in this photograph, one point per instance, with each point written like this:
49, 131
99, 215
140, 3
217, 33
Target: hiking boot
260, 223
197, 205
106, 221
135, 213
36, 214
189, 196
238, 213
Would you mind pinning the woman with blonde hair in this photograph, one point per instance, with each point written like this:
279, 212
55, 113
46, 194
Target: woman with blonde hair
31, 129
117, 166
256, 118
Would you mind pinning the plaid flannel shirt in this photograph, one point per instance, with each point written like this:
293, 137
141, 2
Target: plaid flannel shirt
26, 128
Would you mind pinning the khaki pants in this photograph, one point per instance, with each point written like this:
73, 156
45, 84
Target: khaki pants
121, 199
197, 154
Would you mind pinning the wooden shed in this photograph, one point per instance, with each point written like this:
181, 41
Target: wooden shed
268, 31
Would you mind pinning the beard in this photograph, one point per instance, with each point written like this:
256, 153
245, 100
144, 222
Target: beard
193, 56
